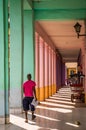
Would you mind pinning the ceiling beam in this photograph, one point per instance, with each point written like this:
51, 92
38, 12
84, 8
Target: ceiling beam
59, 9
59, 4
58, 14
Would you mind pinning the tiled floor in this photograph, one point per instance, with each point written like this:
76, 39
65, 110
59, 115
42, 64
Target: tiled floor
56, 113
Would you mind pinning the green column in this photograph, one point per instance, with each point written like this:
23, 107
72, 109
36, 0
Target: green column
29, 50
4, 88
16, 43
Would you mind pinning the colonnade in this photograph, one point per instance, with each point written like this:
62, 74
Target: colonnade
30, 51
45, 68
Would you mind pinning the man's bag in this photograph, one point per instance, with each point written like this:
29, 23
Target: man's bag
34, 102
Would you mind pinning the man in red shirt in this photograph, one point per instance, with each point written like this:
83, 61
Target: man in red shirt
29, 95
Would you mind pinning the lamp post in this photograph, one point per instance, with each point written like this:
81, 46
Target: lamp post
77, 27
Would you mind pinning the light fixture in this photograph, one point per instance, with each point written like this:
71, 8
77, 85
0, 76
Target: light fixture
77, 27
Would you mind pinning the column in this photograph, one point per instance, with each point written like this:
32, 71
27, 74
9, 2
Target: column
46, 71
29, 44
83, 69
54, 72
4, 79
85, 76
41, 69
50, 73
37, 65
63, 73
16, 43
58, 72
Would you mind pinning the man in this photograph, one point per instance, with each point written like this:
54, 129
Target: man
29, 95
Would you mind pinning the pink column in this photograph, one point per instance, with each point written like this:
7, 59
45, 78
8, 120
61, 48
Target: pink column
54, 72
46, 71
41, 69
37, 64
50, 73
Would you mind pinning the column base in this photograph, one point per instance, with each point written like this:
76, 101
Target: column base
15, 110
4, 120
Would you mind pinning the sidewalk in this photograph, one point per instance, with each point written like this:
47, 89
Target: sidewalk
56, 113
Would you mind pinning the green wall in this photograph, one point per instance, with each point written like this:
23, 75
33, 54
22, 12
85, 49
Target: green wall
4, 88
1, 60
16, 42
29, 44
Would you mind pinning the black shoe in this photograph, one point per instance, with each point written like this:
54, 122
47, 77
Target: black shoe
33, 117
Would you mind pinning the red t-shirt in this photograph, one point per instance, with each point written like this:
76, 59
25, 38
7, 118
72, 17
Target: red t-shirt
28, 87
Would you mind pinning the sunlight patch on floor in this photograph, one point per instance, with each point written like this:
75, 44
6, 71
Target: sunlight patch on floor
59, 101
57, 105
45, 117
71, 124
59, 98
62, 110
18, 121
